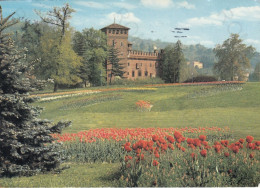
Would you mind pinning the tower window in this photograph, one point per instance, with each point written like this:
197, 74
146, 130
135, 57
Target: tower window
121, 43
146, 73
109, 30
117, 31
128, 64
139, 73
113, 31
125, 31
121, 31
133, 73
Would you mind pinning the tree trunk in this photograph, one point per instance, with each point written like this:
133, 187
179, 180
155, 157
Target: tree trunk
55, 87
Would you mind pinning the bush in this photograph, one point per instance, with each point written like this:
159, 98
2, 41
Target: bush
201, 79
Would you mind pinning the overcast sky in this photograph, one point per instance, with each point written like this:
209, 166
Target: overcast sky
210, 21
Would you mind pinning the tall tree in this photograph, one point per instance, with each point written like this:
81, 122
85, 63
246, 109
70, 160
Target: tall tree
26, 144
58, 17
172, 59
233, 58
115, 68
90, 44
58, 60
256, 74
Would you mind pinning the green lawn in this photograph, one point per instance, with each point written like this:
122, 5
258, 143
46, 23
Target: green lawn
173, 106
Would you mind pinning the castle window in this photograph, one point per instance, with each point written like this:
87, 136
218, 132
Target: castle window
125, 31
109, 30
113, 43
139, 73
128, 64
121, 31
137, 66
121, 44
133, 73
113, 31
117, 31
146, 73
127, 73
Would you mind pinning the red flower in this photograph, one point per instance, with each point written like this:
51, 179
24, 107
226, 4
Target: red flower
183, 149
155, 163
235, 149
205, 143
177, 135
226, 154
189, 141
224, 142
128, 149
251, 155
157, 155
128, 165
164, 147
179, 140
127, 144
251, 146
196, 142
257, 143
249, 139
217, 148
142, 143
135, 146
171, 146
162, 141
155, 138
241, 140
202, 137
150, 143
170, 139
138, 150
203, 153
193, 155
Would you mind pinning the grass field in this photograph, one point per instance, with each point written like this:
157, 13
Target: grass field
173, 106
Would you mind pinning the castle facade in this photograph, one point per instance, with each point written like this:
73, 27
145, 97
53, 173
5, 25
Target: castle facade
137, 64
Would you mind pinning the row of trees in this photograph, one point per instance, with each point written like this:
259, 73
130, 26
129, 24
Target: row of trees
55, 51
70, 58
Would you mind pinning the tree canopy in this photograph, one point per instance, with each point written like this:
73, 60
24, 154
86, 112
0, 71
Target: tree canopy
233, 58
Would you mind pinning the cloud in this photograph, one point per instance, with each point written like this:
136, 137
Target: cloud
157, 3
252, 41
40, 5
124, 5
185, 4
92, 4
126, 17
234, 14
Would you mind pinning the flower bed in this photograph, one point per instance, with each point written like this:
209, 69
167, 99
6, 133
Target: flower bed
197, 83
143, 106
169, 156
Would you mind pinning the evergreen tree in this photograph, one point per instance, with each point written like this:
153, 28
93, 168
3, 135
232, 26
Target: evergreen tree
256, 74
172, 59
233, 58
91, 45
115, 68
26, 144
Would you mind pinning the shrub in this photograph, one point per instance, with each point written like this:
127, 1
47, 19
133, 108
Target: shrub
201, 79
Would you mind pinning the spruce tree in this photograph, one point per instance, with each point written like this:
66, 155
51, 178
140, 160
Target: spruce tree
115, 67
26, 144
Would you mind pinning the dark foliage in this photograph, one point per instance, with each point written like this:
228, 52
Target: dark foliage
201, 79
26, 144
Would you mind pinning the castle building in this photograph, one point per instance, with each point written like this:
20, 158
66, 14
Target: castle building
137, 64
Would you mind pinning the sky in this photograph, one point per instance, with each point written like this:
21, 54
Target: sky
210, 21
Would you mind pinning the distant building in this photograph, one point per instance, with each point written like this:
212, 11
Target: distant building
137, 64
196, 64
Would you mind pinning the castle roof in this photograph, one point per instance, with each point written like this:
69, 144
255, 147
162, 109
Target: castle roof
115, 26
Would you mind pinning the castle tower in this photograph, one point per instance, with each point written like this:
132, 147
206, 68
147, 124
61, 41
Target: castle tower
117, 36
